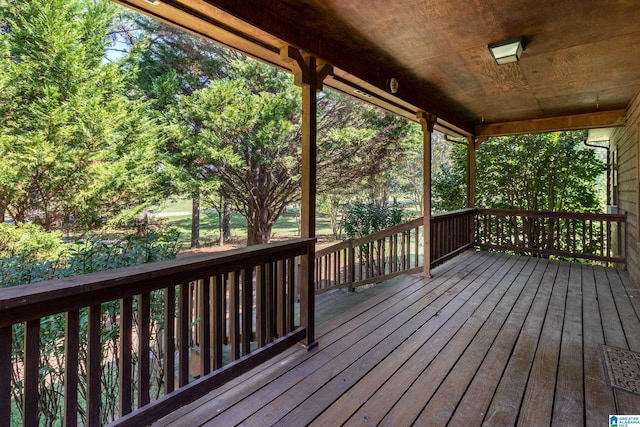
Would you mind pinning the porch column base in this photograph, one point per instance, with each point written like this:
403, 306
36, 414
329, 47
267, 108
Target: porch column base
309, 347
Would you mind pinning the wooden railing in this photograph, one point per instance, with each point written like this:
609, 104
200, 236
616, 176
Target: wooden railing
132, 327
393, 251
596, 237
451, 233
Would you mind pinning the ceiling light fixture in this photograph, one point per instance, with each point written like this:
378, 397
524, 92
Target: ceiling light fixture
507, 51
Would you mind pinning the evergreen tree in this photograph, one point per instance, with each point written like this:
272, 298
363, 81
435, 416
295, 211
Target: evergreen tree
74, 149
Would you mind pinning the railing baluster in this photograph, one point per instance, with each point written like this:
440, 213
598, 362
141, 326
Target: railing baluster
71, 350
144, 338
234, 314
403, 250
205, 326
169, 339
247, 310
324, 278
126, 341
280, 302
417, 238
183, 335
620, 241
6, 338
31, 372
219, 321
351, 265
270, 298
290, 294
261, 312
608, 234
225, 305
601, 238
340, 273
94, 354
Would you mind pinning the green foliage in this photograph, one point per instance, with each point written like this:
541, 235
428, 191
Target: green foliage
554, 172
449, 183
39, 256
232, 127
74, 149
29, 243
362, 219
29, 254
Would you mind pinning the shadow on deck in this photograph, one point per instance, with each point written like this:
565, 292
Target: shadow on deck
491, 339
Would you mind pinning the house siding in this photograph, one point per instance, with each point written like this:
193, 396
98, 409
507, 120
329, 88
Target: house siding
625, 141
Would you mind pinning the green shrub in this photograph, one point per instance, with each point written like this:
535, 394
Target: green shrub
45, 257
30, 243
362, 219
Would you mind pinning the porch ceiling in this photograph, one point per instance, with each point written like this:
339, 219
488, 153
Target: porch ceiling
580, 68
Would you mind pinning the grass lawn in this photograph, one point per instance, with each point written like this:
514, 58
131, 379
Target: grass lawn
176, 213
285, 227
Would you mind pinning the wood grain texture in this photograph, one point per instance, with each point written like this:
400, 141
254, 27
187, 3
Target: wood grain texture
5, 375
625, 143
489, 340
438, 52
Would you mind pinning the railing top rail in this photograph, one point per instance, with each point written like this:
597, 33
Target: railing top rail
388, 232
35, 300
459, 212
333, 248
409, 225
552, 214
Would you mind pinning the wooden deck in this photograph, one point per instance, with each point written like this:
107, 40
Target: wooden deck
491, 339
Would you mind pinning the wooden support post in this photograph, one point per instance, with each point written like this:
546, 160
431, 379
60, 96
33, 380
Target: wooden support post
309, 76
471, 173
428, 122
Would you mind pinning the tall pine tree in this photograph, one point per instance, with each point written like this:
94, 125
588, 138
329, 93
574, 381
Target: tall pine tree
74, 149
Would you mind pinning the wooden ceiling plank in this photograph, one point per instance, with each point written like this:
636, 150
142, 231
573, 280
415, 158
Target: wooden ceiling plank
614, 118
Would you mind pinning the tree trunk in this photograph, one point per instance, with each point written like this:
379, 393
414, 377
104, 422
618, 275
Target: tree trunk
226, 222
222, 238
335, 212
195, 221
2, 215
259, 227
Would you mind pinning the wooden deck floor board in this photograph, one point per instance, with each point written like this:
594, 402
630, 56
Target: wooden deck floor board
407, 410
490, 339
403, 344
380, 374
380, 344
613, 331
277, 398
471, 409
441, 407
377, 407
538, 399
568, 406
598, 397
506, 402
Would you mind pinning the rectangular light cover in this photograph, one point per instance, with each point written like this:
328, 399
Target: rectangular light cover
507, 51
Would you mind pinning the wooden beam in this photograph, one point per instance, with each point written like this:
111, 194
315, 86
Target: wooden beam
428, 122
614, 118
253, 26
